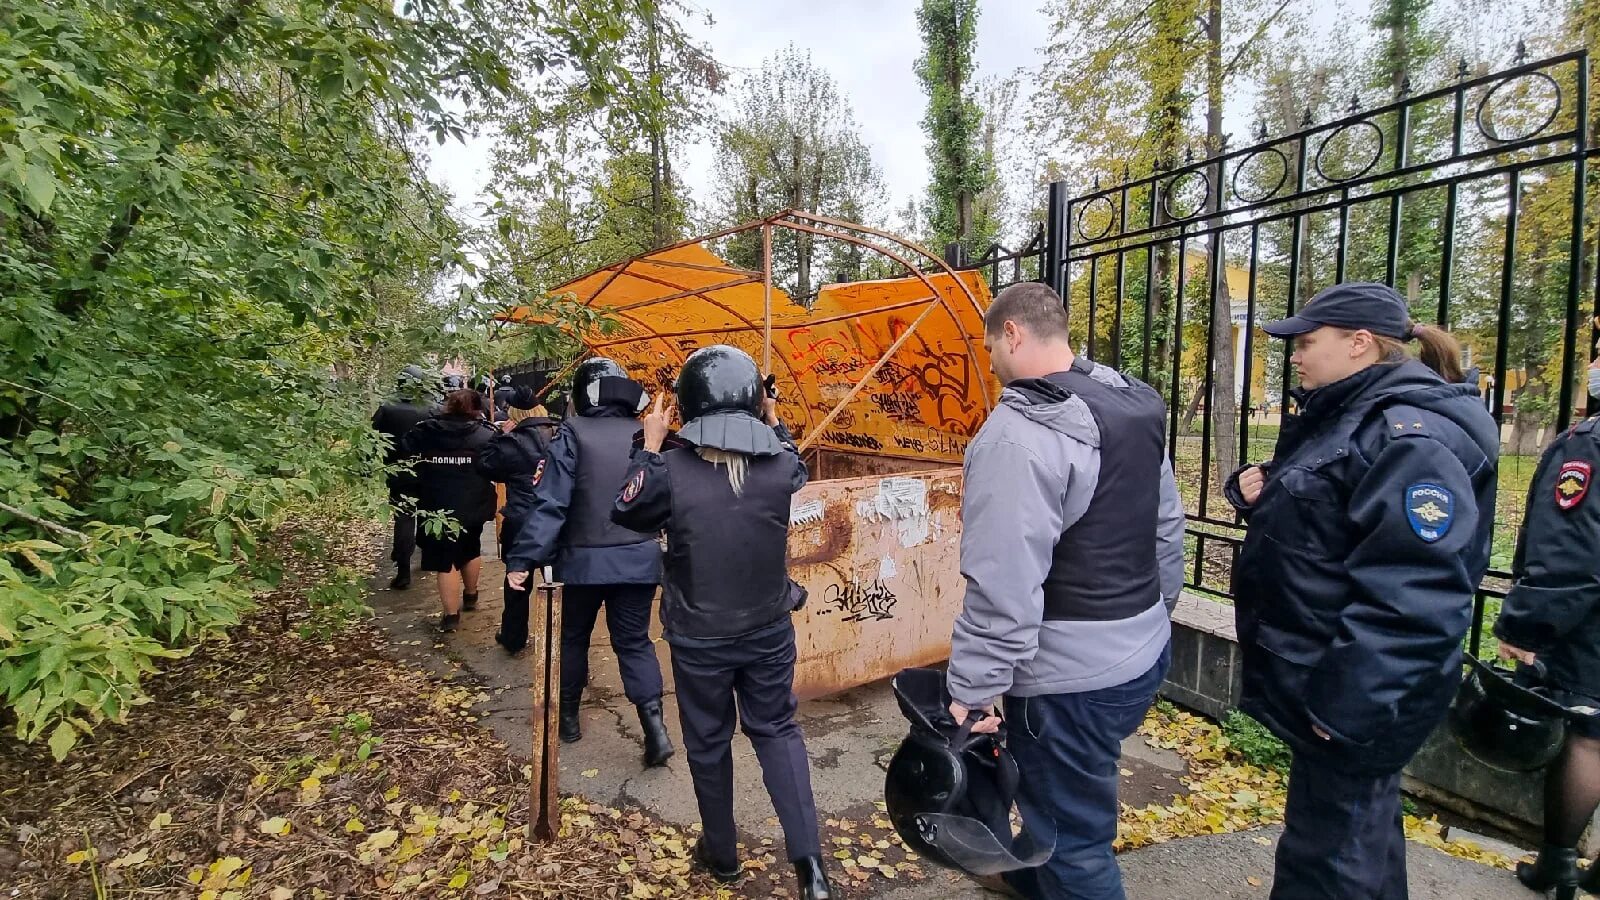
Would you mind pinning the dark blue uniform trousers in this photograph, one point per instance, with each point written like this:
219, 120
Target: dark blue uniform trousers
628, 608
1067, 746
1343, 837
759, 674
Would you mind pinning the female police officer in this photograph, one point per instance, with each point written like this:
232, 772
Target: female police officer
722, 495
1368, 533
1552, 615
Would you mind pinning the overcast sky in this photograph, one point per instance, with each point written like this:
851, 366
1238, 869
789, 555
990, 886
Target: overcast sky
870, 46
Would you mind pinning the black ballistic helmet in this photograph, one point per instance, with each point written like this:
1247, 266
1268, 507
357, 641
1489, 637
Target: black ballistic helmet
717, 379
949, 792
600, 382
1507, 720
411, 375
454, 383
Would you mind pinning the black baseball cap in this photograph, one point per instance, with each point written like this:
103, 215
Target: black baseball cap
1358, 304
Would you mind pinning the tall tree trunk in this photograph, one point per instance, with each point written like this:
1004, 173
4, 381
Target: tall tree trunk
660, 231
1172, 24
1222, 405
953, 78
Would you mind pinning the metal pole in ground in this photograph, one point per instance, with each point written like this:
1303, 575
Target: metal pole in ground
544, 652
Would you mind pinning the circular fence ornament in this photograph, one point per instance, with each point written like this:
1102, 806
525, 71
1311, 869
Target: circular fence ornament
1345, 145
1085, 219
1183, 187
1533, 84
1256, 170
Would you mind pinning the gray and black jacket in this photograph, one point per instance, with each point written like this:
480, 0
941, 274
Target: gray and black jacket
1072, 556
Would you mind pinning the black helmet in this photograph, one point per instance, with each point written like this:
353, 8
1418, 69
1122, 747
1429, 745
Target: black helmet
411, 375
454, 382
1507, 720
505, 380
949, 791
716, 379
601, 382
719, 398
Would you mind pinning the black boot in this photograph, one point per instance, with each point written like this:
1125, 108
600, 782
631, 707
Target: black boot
571, 729
657, 746
727, 874
813, 881
1555, 867
1589, 880
469, 601
401, 580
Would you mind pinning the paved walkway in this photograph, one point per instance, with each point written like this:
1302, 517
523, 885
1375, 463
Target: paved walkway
850, 738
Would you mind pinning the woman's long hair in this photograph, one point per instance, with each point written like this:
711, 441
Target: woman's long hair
736, 464
1439, 350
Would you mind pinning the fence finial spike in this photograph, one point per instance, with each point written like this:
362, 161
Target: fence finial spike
1127, 172
1261, 130
1461, 69
1355, 103
1307, 120
1405, 88
1522, 51
1188, 154
1097, 181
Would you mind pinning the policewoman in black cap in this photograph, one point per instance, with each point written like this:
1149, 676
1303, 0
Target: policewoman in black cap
1552, 617
1368, 533
600, 563
720, 489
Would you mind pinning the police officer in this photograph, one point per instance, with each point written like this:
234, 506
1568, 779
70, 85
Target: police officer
722, 495
1552, 617
600, 563
512, 458
504, 394
1368, 533
412, 403
1072, 547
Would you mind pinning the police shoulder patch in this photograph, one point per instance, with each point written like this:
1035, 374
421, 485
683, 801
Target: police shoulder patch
1430, 509
1572, 482
538, 473
630, 491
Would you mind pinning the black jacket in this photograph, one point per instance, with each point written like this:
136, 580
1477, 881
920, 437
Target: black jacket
560, 529
446, 451
393, 420
1353, 590
726, 572
513, 460
1553, 609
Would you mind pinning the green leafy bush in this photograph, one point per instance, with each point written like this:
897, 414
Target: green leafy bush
1255, 743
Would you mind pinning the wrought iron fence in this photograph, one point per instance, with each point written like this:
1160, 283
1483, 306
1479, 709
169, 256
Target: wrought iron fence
1471, 199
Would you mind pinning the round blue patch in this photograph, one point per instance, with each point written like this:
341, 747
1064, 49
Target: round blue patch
1430, 509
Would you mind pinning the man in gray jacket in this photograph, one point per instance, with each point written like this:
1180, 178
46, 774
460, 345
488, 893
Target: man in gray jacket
1072, 547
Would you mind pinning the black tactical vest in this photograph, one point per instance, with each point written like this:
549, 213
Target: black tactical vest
604, 445
1104, 566
727, 556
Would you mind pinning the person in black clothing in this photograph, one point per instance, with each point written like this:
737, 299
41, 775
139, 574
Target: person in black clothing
446, 449
513, 458
1551, 618
1368, 534
600, 564
504, 396
412, 404
722, 495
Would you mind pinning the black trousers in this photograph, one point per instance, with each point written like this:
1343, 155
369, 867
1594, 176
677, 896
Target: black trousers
757, 676
514, 615
405, 533
1343, 836
628, 608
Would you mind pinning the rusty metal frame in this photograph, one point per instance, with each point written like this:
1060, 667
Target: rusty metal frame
807, 223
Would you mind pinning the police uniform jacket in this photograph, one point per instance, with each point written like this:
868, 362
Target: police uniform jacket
513, 459
1553, 609
1354, 587
569, 520
393, 420
727, 554
446, 450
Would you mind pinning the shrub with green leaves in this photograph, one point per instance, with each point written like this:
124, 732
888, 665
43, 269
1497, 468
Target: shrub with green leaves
216, 250
1255, 743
